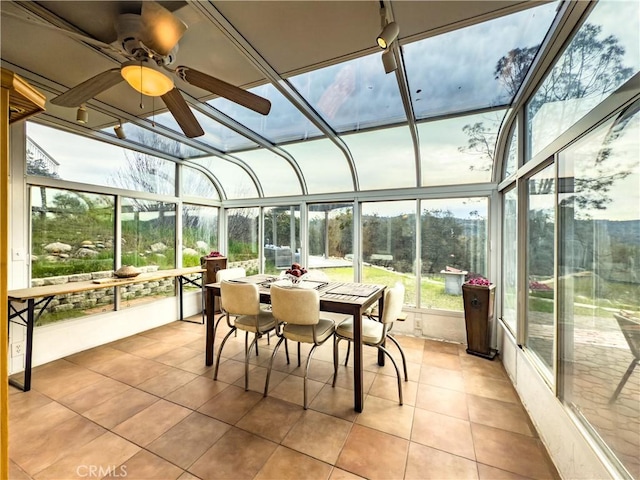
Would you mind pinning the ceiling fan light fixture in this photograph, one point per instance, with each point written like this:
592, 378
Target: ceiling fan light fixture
388, 34
82, 116
146, 77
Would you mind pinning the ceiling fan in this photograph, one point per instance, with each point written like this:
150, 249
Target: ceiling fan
150, 41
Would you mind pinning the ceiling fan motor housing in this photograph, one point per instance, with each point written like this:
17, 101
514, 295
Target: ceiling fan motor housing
128, 27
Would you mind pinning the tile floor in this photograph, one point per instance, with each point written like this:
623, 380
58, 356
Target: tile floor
147, 407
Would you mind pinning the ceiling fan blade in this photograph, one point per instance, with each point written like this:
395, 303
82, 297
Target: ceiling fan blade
182, 113
161, 29
76, 96
224, 89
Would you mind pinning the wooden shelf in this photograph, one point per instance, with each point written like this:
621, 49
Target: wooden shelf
24, 100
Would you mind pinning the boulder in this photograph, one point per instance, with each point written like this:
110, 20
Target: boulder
57, 247
158, 247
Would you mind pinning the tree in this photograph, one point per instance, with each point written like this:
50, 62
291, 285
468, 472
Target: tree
589, 66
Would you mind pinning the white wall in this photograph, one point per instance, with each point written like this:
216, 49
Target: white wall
571, 453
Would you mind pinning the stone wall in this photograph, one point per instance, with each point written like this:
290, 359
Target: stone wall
104, 296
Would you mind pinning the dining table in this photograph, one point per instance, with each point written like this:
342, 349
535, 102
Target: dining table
335, 297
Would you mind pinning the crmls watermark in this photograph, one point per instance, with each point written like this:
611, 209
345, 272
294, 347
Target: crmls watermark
100, 471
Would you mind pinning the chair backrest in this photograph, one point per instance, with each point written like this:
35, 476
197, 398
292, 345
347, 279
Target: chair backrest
230, 274
240, 298
393, 302
297, 306
630, 327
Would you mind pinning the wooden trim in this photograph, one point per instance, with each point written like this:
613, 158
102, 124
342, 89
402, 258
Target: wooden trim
24, 100
4, 256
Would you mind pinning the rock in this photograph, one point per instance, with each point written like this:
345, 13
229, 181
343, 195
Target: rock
57, 247
202, 246
189, 251
86, 243
158, 247
86, 252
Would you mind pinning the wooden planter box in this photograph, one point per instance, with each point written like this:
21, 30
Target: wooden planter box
478, 316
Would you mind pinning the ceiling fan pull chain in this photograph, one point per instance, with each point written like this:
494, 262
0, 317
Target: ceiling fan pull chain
141, 104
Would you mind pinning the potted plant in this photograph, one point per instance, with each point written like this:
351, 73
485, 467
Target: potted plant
478, 295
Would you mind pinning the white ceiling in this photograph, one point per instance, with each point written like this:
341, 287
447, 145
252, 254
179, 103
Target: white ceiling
288, 37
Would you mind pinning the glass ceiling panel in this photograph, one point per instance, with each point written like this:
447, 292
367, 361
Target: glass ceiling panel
215, 134
384, 158
234, 179
353, 95
276, 175
323, 165
459, 150
157, 141
475, 67
283, 124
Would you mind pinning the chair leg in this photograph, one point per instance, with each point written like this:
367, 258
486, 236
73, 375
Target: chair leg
224, 340
346, 360
246, 362
395, 365
404, 359
273, 355
624, 379
286, 350
298, 353
306, 373
336, 341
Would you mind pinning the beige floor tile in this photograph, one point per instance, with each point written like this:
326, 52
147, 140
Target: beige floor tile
184, 443
441, 347
118, 408
335, 401
24, 403
94, 356
345, 378
481, 366
443, 400
442, 360
291, 389
231, 404
16, 473
195, 393
490, 388
104, 452
257, 378
238, 455
520, 454
386, 387
387, 460
178, 355
162, 385
318, 435
287, 464
30, 427
495, 413
148, 424
431, 435
271, 418
449, 434
425, 463
339, 474
37, 453
133, 371
491, 473
62, 378
197, 365
145, 465
442, 377
387, 416
94, 394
